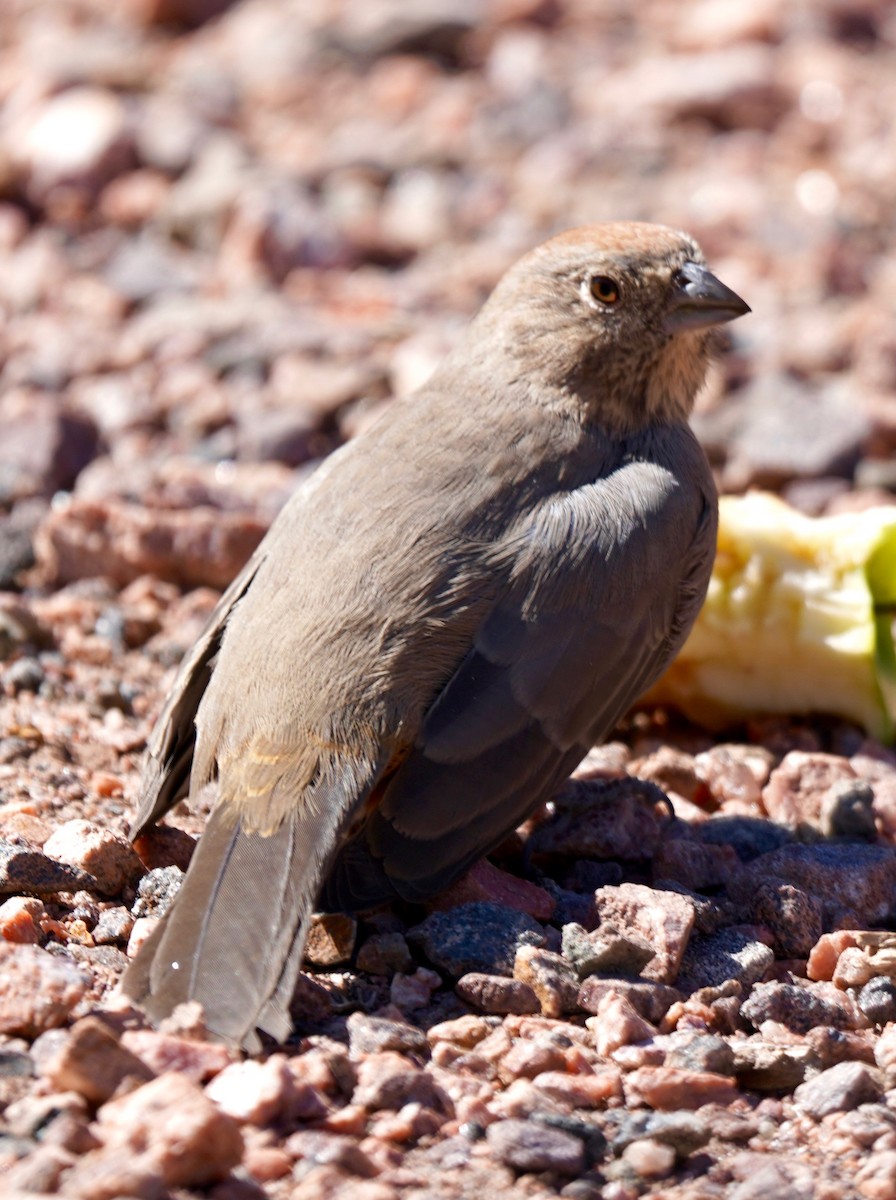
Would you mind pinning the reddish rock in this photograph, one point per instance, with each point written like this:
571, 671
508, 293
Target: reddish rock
166, 1130
617, 1023
38, 990
496, 994
202, 546
797, 789
195, 1060
485, 881
70, 145
20, 920
89, 847
45, 445
262, 1092
664, 919
672, 1088
674, 771
90, 1060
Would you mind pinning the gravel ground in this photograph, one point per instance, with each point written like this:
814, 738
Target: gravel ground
231, 233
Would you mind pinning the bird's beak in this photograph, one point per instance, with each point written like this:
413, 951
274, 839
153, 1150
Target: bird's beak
699, 300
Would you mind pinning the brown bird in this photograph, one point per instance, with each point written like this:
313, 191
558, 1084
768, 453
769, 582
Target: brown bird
443, 619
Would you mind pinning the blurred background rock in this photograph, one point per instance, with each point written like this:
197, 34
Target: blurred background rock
230, 232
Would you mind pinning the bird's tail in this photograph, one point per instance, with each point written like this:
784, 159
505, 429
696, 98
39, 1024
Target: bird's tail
234, 937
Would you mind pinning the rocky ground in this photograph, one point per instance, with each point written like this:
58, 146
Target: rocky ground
229, 234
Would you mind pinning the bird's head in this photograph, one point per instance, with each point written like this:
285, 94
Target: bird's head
618, 316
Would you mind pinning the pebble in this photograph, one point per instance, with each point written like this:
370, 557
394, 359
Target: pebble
664, 919
475, 937
551, 977
90, 1060
603, 819
495, 994
390, 1080
528, 1146
684, 1131
156, 892
649, 1159
195, 1060
801, 1008
617, 1023
373, 1034
839, 1089
167, 1128
331, 939
728, 954
605, 951
797, 790
877, 1000
20, 920
262, 1093
88, 847
38, 990
671, 1088
384, 954
651, 1000
23, 868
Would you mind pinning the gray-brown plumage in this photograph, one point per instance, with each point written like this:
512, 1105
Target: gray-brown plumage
443, 620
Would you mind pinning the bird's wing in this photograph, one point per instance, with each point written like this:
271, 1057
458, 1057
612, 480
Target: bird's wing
606, 584
169, 757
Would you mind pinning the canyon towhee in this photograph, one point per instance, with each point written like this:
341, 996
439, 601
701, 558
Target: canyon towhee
443, 619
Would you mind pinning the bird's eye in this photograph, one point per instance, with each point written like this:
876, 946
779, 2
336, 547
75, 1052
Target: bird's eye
604, 289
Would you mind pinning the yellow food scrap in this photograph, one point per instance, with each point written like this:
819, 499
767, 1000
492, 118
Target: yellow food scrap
798, 619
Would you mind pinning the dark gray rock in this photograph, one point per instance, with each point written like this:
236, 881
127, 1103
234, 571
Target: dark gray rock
531, 1146
156, 891
728, 954
877, 1000
476, 937
26, 871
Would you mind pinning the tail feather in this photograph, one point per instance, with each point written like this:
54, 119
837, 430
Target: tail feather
235, 935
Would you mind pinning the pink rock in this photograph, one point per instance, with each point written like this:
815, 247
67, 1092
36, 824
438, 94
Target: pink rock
410, 992
672, 770
389, 1080
497, 994
260, 1092
618, 1023
582, 1090
108, 858
90, 1060
823, 957
526, 1059
665, 919
77, 141
671, 1088
485, 881
796, 790
732, 778
20, 918
462, 1031
173, 1128
203, 546
196, 1060
37, 990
